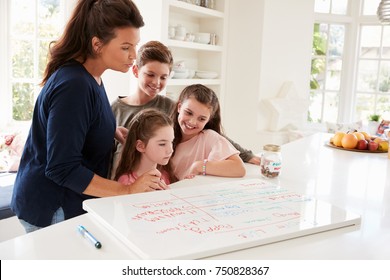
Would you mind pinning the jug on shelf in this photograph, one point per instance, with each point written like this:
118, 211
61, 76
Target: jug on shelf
180, 32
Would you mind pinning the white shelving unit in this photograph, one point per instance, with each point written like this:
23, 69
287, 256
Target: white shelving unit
196, 56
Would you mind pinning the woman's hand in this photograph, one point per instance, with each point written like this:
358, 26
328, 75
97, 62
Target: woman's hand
149, 181
121, 134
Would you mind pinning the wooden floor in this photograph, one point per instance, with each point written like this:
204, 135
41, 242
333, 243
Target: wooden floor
10, 228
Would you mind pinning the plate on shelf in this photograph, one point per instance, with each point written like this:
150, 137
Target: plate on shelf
206, 74
328, 144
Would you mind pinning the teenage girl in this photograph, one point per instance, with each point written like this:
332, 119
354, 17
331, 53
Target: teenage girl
199, 146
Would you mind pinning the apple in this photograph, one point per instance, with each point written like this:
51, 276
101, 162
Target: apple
362, 144
373, 146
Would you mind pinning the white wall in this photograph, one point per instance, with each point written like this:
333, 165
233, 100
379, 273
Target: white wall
269, 43
124, 84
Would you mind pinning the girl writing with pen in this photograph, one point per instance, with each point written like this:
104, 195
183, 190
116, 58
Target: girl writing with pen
148, 147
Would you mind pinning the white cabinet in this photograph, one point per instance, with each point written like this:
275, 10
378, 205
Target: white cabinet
196, 56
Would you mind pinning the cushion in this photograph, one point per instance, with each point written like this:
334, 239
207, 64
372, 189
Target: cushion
6, 189
11, 148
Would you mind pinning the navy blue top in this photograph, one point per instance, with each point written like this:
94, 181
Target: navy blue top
70, 140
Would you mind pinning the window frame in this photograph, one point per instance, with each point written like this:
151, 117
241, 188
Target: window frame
353, 21
6, 105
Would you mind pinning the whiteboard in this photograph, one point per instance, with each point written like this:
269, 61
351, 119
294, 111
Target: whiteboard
201, 221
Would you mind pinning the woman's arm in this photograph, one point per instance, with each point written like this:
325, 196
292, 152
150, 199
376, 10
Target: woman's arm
101, 187
230, 167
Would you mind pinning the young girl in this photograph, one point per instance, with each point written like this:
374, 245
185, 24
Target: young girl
199, 146
152, 69
148, 147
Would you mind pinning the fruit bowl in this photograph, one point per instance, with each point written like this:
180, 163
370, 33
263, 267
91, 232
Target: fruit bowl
328, 144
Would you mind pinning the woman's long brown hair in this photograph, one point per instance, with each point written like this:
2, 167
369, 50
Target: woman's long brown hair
90, 18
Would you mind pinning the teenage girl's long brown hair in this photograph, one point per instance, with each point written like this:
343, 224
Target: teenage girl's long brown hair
142, 127
90, 18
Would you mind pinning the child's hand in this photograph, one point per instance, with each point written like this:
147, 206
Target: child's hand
121, 134
189, 176
196, 168
255, 160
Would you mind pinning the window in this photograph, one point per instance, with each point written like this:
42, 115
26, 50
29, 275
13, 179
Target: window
350, 73
373, 79
29, 27
328, 60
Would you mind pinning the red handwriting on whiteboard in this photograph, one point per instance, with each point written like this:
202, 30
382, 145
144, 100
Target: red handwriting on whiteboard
198, 226
153, 204
161, 214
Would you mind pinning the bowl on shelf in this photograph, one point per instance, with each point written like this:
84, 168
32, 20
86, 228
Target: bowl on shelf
202, 38
180, 75
206, 74
191, 73
179, 66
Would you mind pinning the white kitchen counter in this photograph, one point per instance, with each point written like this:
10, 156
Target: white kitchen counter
355, 181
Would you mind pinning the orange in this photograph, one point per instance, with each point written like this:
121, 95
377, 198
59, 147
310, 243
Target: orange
349, 141
337, 138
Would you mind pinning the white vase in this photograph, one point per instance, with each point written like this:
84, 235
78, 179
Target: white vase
373, 127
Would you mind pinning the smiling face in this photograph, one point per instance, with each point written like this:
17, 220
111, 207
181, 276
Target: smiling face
152, 77
119, 54
159, 148
192, 117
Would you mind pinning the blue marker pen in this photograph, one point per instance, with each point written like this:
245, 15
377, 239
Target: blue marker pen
84, 232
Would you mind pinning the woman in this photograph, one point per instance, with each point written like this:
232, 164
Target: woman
67, 153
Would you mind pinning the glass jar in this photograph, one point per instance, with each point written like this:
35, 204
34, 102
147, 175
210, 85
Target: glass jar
207, 4
271, 161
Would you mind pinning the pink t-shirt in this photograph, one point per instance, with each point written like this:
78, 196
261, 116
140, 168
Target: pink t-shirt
206, 145
129, 178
